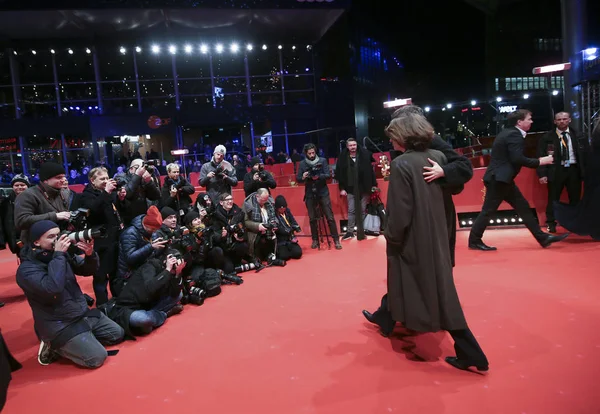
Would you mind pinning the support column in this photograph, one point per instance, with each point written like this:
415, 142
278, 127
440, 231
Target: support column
98, 84
137, 80
249, 97
283, 98
64, 153
574, 38
212, 80
176, 82
56, 86
16, 82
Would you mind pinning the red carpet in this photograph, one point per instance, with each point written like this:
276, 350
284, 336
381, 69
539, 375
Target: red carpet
293, 340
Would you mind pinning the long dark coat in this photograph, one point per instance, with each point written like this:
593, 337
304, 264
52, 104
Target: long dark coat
421, 291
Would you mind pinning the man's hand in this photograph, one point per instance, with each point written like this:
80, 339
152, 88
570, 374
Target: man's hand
141, 171
171, 263
224, 232
211, 174
544, 180
256, 177
262, 228
173, 192
343, 193
63, 215
111, 185
62, 244
434, 172
147, 177
159, 243
86, 246
305, 175
547, 160
238, 238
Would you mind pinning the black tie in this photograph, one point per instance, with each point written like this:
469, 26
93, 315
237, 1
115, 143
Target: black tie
566, 155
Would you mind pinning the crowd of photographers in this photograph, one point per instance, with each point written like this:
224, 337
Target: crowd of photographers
153, 246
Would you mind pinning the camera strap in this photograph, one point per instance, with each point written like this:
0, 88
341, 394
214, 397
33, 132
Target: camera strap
47, 197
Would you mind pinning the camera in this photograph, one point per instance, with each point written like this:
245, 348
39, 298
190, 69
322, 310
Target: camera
78, 219
86, 234
238, 230
192, 294
229, 279
151, 164
262, 173
77, 229
220, 170
270, 226
315, 170
248, 266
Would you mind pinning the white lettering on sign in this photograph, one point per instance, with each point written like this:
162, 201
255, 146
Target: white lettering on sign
507, 109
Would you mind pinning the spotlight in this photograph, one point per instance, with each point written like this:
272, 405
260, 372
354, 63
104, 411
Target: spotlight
473, 102
443, 109
491, 221
234, 48
308, 47
188, 49
293, 47
279, 47
138, 49
70, 51
155, 49
172, 49
427, 109
506, 220
499, 99
203, 49
122, 50
449, 106
52, 51
498, 221
219, 48
520, 220
555, 92
512, 220
33, 52
470, 222
590, 53
77, 108
464, 223
526, 96
264, 47
345, 228
88, 50
249, 48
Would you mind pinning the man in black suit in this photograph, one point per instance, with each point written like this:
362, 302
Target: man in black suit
453, 176
506, 162
567, 169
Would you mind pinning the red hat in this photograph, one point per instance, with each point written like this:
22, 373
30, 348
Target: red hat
153, 219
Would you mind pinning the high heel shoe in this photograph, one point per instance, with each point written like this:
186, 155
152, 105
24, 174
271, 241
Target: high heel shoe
465, 365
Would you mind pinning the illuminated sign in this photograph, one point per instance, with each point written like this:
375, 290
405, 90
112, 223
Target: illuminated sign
507, 109
551, 68
397, 102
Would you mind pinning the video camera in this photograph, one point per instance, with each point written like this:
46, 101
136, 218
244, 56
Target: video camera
77, 227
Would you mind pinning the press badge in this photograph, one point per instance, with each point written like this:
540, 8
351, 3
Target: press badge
181, 213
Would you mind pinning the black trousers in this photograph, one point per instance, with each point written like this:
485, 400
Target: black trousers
496, 193
233, 256
325, 203
106, 272
264, 247
465, 345
569, 177
289, 250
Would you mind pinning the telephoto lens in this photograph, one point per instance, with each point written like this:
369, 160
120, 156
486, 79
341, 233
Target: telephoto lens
231, 278
87, 234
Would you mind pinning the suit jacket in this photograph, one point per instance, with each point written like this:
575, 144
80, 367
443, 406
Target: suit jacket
551, 138
507, 157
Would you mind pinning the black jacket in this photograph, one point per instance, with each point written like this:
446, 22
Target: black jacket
135, 248
9, 230
182, 201
138, 194
366, 175
579, 144
314, 187
251, 185
286, 229
103, 212
507, 157
222, 218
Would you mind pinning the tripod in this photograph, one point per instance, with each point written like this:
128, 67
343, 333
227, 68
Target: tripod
321, 223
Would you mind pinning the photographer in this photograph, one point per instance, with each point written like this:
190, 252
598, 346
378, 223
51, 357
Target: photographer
46, 201
218, 175
136, 246
139, 187
261, 222
258, 177
314, 172
229, 230
100, 197
169, 230
62, 320
151, 295
19, 184
176, 192
287, 242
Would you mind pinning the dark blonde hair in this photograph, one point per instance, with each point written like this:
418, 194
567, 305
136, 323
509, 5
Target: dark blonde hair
412, 131
95, 171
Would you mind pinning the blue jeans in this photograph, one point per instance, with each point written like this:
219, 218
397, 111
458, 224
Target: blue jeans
143, 322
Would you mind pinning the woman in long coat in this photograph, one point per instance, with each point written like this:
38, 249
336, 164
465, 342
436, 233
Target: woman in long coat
421, 291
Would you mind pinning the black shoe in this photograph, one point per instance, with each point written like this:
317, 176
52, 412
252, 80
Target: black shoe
553, 239
315, 244
349, 235
552, 227
46, 356
338, 245
385, 327
481, 246
175, 310
90, 300
465, 365
1, 304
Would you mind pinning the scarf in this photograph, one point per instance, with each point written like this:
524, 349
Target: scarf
256, 211
313, 162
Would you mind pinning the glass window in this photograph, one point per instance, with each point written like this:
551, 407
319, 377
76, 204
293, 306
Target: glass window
194, 65
305, 97
194, 87
228, 64
270, 83
506, 84
37, 68
10, 158
155, 66
153, 89
113, 65
298, 82
76, 67
263, 62
119, 90
78, 92
39, 149
297, 61
231, 85
519, 84
497, 86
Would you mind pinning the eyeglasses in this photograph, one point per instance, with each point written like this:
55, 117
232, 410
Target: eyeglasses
228, 199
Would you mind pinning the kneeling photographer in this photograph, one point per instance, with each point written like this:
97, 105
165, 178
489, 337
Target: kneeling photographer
261, 222
287, 242
258, 177
230, 233
170, 230
151, 295
100, 197
63, 322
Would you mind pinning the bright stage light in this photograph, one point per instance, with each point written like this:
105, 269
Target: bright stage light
234, 48
293, 47
219, 48
554, 92
499, 99
155, 49
33, 52
264, 47
172, 49
449, 106
88, 50
203, 49
526, 96
279, 47
473, 102
138, 49
188, 49
122, 50
70, 51
249, 48
427, 109
52, 51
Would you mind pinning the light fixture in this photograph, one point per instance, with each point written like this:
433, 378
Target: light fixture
526, 96
52, 51
308, 47
188, 49
464, 223
470, 222
88, 50
33, 52
520, 220
249, 47
473, 102
449, 106
443, 109
122, 50
499, 99
512, 220
293, 47
506, 220
219, 48
555, 92
70, 51
172, 49
203, 49
234, 48
491, 221
498, 221
279, 47
427, 109
264, 47
590, 53
155, 49
138, 49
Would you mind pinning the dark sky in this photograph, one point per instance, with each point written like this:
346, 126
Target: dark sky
440, 43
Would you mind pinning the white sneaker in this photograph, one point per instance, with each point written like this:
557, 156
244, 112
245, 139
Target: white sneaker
45, 355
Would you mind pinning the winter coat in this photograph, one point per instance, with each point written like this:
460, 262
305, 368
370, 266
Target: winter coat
139, 196
253, 217
182, 202
365, 175
217, 185
251, 185
135, 248
103, 212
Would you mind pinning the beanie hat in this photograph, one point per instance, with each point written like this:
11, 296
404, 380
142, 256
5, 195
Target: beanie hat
166, 212
49, 170
254, 161
202, 199
20, 178
189, 217
220, 149
152, 219
38, 229
280, 202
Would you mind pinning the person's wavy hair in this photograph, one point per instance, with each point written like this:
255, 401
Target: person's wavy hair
95, 171
412, 131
